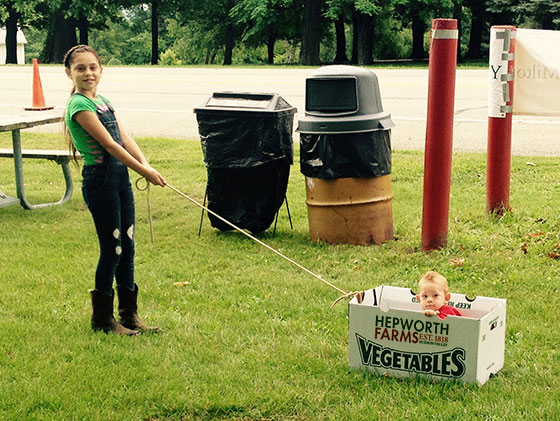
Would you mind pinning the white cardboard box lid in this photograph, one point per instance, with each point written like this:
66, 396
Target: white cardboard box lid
388, 297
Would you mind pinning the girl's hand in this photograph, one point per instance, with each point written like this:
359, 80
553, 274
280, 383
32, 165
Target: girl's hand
154, 177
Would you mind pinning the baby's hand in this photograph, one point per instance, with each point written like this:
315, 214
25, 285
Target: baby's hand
431, 313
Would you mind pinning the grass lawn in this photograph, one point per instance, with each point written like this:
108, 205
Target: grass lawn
249, 336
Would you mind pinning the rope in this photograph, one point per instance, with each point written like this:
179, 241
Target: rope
343, 293
147, 189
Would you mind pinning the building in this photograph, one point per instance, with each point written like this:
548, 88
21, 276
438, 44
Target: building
21, 41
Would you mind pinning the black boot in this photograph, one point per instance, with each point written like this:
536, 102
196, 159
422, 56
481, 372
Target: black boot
128, 310
102, 314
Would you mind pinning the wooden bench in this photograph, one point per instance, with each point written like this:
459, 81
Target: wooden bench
59, 156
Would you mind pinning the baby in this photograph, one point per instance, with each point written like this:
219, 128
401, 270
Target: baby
433, 295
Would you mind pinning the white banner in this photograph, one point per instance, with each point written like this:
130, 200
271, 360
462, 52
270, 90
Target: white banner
537, 72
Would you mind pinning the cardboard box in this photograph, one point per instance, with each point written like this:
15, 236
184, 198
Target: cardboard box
389, 333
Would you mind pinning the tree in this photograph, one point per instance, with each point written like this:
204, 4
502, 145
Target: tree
479, 26
12, 14
540, 14
155, 32
546, 13
157, 10
11, 32
362, 42
418, 13
336, 13
458, 14
61, 31
214, 16
266, 21
61, 19
503, 12
311, 36
363, 19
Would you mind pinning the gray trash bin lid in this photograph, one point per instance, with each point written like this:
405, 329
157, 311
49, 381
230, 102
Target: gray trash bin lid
245, 103
343, 99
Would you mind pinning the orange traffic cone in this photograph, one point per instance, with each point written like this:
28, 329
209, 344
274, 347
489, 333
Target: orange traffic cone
38, 98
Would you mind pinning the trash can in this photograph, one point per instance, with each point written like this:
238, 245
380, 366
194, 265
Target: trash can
345, 155
247, 145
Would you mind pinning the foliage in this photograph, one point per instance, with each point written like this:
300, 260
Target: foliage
264, 18
169, 58
248, 336
392, 42
368, 7
251, 31
24, 7
34, 46
538, 14
132, 48
193, 43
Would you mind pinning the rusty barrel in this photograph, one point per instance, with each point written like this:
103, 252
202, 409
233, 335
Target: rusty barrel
350, 210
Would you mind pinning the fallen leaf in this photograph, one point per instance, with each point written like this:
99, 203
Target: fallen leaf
457, 261
181, 284
554, 255
524, 248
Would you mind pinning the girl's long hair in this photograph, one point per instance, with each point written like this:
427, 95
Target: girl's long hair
81, 48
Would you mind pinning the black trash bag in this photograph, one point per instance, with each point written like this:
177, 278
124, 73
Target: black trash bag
245, 140
331, 156
247, 197
248, 151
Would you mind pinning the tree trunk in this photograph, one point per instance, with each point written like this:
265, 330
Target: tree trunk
355, 26
311, 38
477, 28
228, 55
271, 40
155, 32
83, 29
362, 52
547, 21
418, 30
11, 35
61, 36
341, 56
458, 14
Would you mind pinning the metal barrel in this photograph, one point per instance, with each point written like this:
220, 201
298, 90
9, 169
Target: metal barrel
350, 210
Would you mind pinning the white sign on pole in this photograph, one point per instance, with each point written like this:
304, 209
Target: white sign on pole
498, 94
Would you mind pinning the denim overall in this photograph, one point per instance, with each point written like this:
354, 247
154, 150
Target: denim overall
107, 192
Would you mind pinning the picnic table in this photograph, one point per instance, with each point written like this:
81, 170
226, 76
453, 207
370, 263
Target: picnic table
25, 120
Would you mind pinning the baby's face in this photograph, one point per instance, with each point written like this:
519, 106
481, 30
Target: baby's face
431, 298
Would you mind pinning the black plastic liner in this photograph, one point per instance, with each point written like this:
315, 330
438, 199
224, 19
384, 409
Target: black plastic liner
247, 197
331, 156
246, 141
242, 141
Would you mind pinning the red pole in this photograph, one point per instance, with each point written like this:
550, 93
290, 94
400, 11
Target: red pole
502, 63
439, 133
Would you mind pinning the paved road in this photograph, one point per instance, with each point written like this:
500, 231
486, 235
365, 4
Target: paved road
160, 101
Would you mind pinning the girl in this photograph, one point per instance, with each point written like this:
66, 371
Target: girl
108, 151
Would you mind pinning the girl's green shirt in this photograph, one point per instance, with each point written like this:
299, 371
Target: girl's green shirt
90, 150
